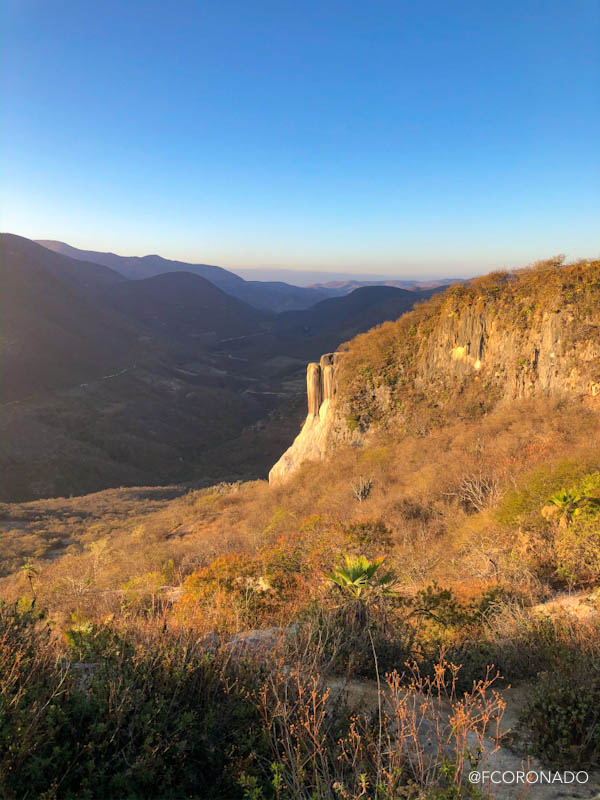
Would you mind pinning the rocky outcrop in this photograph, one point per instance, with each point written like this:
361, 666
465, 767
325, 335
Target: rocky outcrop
534, 333
543, 358
312, 442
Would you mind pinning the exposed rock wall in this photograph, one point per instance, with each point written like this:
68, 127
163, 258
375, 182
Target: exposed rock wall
315, 437
544, 358
526, 335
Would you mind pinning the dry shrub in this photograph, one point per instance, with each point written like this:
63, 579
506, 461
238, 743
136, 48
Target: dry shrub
264, 587
478, 491
149, 714
422, 739
362, 488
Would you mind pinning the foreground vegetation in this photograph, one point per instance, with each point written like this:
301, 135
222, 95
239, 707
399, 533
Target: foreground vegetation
142, 711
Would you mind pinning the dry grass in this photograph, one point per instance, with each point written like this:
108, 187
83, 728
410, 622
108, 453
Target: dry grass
122, 548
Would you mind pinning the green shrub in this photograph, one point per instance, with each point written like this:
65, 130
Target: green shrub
153, 717
524, 504
563, 718
578, 551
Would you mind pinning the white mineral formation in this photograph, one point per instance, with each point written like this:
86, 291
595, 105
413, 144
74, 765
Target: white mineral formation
311, 442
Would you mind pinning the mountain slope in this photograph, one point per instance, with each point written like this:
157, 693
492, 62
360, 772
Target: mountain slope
136, 267
357, 311
110, 382
55, 330
185, 305
76, 270
267, 296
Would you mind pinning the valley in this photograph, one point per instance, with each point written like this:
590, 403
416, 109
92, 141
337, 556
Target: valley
158, 379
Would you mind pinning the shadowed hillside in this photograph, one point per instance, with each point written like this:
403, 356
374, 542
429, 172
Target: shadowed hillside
182, 304
114, 382
55, 329
357, 311
111, 382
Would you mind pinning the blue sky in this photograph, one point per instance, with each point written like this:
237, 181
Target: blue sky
401, 138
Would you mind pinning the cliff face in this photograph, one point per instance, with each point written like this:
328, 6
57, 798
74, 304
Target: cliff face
508, 336
542, 358
318, 431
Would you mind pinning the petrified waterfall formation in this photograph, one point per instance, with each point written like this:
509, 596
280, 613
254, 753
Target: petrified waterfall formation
313, 388
311, 442
319, 383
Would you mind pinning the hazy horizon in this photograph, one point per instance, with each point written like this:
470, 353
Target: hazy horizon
306, 276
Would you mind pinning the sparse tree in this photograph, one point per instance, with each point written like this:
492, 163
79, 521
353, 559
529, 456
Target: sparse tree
362, 488
30, 571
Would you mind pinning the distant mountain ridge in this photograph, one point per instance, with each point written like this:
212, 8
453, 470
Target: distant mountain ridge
136, 267
351, 313
412, 285
65, 320
315, 278
267, 296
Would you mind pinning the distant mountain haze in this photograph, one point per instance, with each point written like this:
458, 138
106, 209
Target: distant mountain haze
317, 279
267, 296
413, 285
89, 274
135, 267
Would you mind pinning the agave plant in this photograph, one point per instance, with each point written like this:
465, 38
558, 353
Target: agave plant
359, 576
566, 500
569, 504
360, 579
